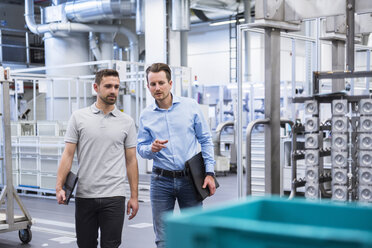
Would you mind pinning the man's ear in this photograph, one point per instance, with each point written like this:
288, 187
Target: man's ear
95, 86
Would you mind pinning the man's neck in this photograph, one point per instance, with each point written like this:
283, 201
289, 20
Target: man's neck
106, 108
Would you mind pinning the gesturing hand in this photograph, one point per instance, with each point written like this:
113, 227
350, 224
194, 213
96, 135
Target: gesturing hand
157, 145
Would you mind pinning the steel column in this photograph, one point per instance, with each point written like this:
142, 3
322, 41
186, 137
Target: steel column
350, 32
1, 47
338, 63
28, 60
239, 124
34, 96
368, 69
293, 79
7, 152
272, 110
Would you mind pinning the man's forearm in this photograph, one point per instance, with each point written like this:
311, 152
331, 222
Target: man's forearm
132, 173
63, 169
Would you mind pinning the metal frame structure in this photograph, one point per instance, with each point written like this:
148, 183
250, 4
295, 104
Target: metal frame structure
8, 193
273, 16
272, 104
179, 77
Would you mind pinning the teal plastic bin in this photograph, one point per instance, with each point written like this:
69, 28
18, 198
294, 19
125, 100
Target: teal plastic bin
274, 223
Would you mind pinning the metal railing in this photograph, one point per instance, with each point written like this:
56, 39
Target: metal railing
249, 129
5, 32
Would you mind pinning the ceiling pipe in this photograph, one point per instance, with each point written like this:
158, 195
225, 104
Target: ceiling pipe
140, 17
79, 27
95, 10
94, 47
180, 15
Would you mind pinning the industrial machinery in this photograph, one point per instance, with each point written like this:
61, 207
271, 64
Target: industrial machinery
347, 124
222, 162
350, 129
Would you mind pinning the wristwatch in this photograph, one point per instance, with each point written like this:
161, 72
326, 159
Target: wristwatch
209, 174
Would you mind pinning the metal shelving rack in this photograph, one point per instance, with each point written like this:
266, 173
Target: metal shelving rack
8, 221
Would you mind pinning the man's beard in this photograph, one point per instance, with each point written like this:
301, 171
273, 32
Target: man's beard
108, 101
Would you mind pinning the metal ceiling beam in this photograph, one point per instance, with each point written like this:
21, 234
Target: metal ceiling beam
297, 10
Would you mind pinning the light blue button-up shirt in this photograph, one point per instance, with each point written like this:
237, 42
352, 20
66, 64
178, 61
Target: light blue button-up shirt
183, 125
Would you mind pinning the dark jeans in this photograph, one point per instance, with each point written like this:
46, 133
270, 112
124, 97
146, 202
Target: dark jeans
107, 214
164, 192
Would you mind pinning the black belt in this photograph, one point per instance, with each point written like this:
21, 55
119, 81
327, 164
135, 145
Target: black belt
168, 173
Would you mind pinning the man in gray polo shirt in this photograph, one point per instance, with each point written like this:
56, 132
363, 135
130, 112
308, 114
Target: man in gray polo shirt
105, 139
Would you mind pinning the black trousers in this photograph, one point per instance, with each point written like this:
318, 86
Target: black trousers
106, 214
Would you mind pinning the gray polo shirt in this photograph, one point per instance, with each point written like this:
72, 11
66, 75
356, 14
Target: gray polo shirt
101, 140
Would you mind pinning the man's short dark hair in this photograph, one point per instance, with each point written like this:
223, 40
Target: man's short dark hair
158, 67
105, 73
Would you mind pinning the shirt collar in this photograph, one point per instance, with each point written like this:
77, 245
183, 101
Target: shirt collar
175, 99
115, 112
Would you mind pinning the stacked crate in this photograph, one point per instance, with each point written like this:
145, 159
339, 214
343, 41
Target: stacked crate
29, 161
49, 156
50, 151
14, 135
365, 151
340, 151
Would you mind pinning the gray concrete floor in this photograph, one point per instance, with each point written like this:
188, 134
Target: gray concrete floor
54, 224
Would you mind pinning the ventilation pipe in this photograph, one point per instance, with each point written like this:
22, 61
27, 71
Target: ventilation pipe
180, 15
95, 10
93, 46
79, 27
140, 17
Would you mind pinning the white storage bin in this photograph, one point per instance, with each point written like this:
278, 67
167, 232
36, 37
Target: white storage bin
29, 179
15, 165
62, 128
15, 178
47, 128
28, 162
49, 164
48, 181
15, 129
28, 145
51, 145
14, 145
27, 128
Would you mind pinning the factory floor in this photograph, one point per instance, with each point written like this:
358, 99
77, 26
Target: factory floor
54, 224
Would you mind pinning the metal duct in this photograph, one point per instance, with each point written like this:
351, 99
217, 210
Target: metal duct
94, 10
180, 15
140, 17
79, 27
94, 47
57, 2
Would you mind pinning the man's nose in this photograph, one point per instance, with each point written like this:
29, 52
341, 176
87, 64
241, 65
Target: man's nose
113, 89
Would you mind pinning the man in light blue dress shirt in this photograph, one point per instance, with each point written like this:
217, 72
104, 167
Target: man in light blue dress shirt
169, 133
